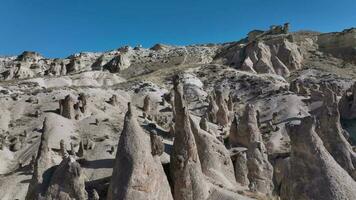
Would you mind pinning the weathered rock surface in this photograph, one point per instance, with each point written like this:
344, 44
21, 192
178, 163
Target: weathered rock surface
331, 133
67, 182
314, 174
137, 174
42, 168
188, 180
246, 131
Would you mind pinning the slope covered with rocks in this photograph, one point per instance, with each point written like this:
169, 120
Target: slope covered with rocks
271, 116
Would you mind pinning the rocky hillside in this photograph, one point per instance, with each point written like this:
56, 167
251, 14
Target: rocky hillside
272, 116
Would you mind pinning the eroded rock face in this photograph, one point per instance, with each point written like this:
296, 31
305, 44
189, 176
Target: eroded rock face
113, 100
188, 179
245, 131
347, 105
212, 110
118, 63
157, 146
214, 157
260, 171
66, 107
42, 168
331, 133
241, 169
272, 57
147, 104
67, 182
222, 116
137, 175
314, 174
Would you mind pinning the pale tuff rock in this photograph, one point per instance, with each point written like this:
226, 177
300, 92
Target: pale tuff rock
171, 130
260, 171
66, 107
203, 124
241, 170
57, 68
347, 105
276, 55
95, 195
67, 182
80, 152
222, 116
230, 103
118, 63
212, 110
63, 150
147, 104
214, 157
82, 102
247, 65
42, 172
113, 100
331, 133
137, 175
280, 68
314, 174
245, 131
281, 167
157, 145
260, 55
188, 180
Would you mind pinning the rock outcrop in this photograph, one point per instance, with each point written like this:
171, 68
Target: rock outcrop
214, 157
137, 174
118, 63
347, 104
42, 168
222, 116
246, 131
188, 180
314, 174
66, 107
212, 110
260, 170
67, 182
331, 133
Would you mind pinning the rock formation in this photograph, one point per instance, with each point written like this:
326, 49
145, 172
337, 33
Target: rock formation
241, 170
137, 175
66, 107
113, 100
331, 133
260, 171
147, 104
347, 105
42, 168
214, 157
67, 182
245, 131
203, 124
222, 116
118, 63
157, 146
188, 179
212, 110
314, 174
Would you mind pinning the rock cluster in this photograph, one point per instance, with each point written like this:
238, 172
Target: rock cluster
70, 109
314, 174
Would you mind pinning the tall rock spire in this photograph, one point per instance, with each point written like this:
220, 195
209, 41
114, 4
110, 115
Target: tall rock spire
188, 179
137, 175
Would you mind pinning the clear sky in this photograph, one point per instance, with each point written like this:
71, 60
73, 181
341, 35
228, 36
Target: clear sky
58, 28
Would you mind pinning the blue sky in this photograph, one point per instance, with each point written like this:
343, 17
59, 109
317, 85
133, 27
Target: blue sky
58, 28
